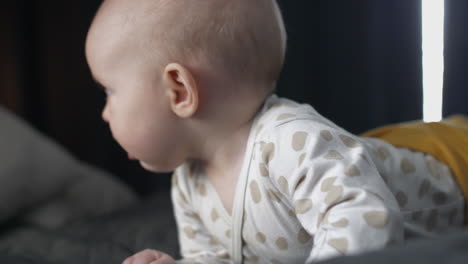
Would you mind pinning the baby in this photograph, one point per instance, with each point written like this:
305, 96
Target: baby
258, 179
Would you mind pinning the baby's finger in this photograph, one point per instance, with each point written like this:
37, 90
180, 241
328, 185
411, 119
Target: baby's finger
160, 261
128, 260
145, 256
164, 259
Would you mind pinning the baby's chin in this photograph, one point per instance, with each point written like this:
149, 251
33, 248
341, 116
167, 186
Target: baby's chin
155, 168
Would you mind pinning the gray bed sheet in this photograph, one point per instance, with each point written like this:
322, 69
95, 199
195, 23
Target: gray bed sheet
113, 237
106, 239
446, 249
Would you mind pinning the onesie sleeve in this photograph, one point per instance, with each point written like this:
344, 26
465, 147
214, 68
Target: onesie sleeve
336, 193
196, 244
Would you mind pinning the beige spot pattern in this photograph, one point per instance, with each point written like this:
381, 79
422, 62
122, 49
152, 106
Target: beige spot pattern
407, 166
263, 170
299, 140
334, 195
195, 216
182, 198
349, 141
214, 241
255, 192
253, 259
340, 244
268, 152
189, 232
281, 243
285, 116
201, 188
327, 184
301, 159
260, 237
432, 167
228, 233
383, 153
224, 255
343, 222
327, 135
424, 188
302, 206
214, 215
283, 185
273, 195
303, 236
333, 155
377, 219
291, 213
352, 171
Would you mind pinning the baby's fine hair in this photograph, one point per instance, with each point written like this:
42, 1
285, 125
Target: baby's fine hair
245, 38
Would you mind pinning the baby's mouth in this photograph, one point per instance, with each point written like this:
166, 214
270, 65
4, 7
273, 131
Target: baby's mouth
130, 157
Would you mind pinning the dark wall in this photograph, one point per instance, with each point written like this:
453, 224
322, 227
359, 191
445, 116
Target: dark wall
10, 95
357, 62
50, 84
456, 58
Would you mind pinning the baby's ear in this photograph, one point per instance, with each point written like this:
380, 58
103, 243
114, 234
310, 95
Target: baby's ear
182, 90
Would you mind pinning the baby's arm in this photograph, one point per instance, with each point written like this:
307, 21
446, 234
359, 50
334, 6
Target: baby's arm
338, 196
196, 243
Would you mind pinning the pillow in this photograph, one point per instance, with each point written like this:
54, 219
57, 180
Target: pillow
41, 178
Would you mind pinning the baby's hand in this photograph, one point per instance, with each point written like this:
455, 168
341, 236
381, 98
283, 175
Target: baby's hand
149, 256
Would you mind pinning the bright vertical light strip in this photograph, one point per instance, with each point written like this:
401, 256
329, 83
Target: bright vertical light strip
433, 58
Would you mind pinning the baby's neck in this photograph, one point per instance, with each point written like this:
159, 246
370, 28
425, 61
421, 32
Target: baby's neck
226, 163
226, 152
225, 131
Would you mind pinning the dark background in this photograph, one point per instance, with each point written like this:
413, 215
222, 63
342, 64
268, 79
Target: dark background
357, 62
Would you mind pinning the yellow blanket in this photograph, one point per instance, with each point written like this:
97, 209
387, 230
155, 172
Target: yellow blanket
447, 141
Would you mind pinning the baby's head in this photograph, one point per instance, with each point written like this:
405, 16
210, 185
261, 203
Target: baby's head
188, 59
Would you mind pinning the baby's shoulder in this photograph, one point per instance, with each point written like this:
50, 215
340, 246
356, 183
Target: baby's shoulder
293, 137
282, 119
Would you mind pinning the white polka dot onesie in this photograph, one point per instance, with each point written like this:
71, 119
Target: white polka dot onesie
309, 190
